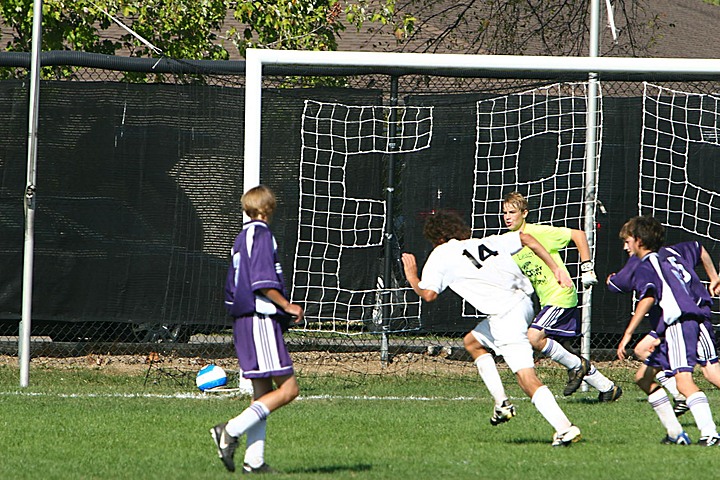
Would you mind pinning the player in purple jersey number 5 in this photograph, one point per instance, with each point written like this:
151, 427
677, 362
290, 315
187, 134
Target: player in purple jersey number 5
676, 303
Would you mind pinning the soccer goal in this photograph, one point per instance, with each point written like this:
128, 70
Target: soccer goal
544, 139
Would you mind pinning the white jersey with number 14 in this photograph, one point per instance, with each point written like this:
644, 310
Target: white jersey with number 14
480, 270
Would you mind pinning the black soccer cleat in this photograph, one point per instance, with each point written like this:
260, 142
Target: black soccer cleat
709, 441
611, 395
575, 377
226, 445
680, 407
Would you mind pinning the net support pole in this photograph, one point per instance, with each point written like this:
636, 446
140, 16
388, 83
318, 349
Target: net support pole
389, 224
29, 198
590, 168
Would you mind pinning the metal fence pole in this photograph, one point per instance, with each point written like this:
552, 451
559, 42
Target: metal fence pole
389, 228
590, 167
29, 198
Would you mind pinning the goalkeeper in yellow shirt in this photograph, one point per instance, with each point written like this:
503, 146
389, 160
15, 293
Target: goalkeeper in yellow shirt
559, 316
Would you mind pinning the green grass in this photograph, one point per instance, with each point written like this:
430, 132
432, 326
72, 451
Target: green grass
82, 424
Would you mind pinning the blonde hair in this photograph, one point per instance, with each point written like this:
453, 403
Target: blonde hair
517, 200
259, 201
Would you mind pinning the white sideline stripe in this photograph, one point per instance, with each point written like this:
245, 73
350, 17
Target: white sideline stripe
202, 396
397, 398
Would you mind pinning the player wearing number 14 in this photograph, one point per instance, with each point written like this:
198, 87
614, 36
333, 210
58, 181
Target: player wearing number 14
483, 273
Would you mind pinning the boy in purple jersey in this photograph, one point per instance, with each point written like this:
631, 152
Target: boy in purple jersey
676, 302
706, 352
255, 298
483, 273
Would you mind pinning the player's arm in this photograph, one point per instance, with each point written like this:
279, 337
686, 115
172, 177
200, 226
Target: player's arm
292, 309
411, 273
709, 266
561, 275
587, 269
641, 309
622, 281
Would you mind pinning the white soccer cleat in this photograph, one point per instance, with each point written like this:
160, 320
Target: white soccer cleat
503, 413
569, 436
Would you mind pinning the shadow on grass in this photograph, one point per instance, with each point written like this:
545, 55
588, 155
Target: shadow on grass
329, 470
528, 441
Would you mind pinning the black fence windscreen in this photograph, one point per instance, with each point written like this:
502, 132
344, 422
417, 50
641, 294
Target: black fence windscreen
138, 189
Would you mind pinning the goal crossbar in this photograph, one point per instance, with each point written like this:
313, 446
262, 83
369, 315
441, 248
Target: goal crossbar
444, 64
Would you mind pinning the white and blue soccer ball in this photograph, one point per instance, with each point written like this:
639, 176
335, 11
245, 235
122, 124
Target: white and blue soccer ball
210, 376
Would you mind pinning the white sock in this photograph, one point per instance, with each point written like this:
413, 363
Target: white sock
598, 381
255, 413
491, 377
669, 384
548, 407
255, 449
700, 408
664, 410
560, 354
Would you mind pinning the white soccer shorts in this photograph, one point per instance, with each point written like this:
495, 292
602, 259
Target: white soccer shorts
506, 335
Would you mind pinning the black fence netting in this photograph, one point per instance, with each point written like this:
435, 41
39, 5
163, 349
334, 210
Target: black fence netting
138, 188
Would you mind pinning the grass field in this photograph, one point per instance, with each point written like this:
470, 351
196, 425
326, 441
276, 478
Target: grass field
85, 424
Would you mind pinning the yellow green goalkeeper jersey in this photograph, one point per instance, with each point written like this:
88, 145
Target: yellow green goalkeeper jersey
548, 290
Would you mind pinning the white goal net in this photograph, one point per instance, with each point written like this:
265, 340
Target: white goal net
677, 127
551, 118
332, 223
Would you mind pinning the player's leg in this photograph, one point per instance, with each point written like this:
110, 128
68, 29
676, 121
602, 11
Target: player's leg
660, 403
287, 390
512, 343
707, 355
545, 333
273, 352
644, 348
474, 343
682, 342
711, 372
545, 403
551, 321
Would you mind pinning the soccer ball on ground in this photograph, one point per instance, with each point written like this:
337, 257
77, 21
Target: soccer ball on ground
210, 376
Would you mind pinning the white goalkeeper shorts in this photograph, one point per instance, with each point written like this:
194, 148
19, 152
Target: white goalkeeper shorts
506, 335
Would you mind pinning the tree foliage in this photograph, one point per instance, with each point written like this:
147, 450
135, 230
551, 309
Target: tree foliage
199, 29
192, 29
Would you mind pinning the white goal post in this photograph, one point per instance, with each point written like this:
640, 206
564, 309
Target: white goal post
590, 69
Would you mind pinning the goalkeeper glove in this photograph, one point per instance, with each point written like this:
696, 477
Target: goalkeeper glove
588, 276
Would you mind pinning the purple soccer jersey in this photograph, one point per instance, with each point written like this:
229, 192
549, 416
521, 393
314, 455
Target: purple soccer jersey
257, 333
255, 265
681, 306
668, 276
622, 281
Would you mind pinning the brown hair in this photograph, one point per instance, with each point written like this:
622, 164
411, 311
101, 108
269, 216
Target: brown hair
259, 201
647, 230
444, 225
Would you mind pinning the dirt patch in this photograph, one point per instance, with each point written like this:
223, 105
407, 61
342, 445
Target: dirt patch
306, 363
